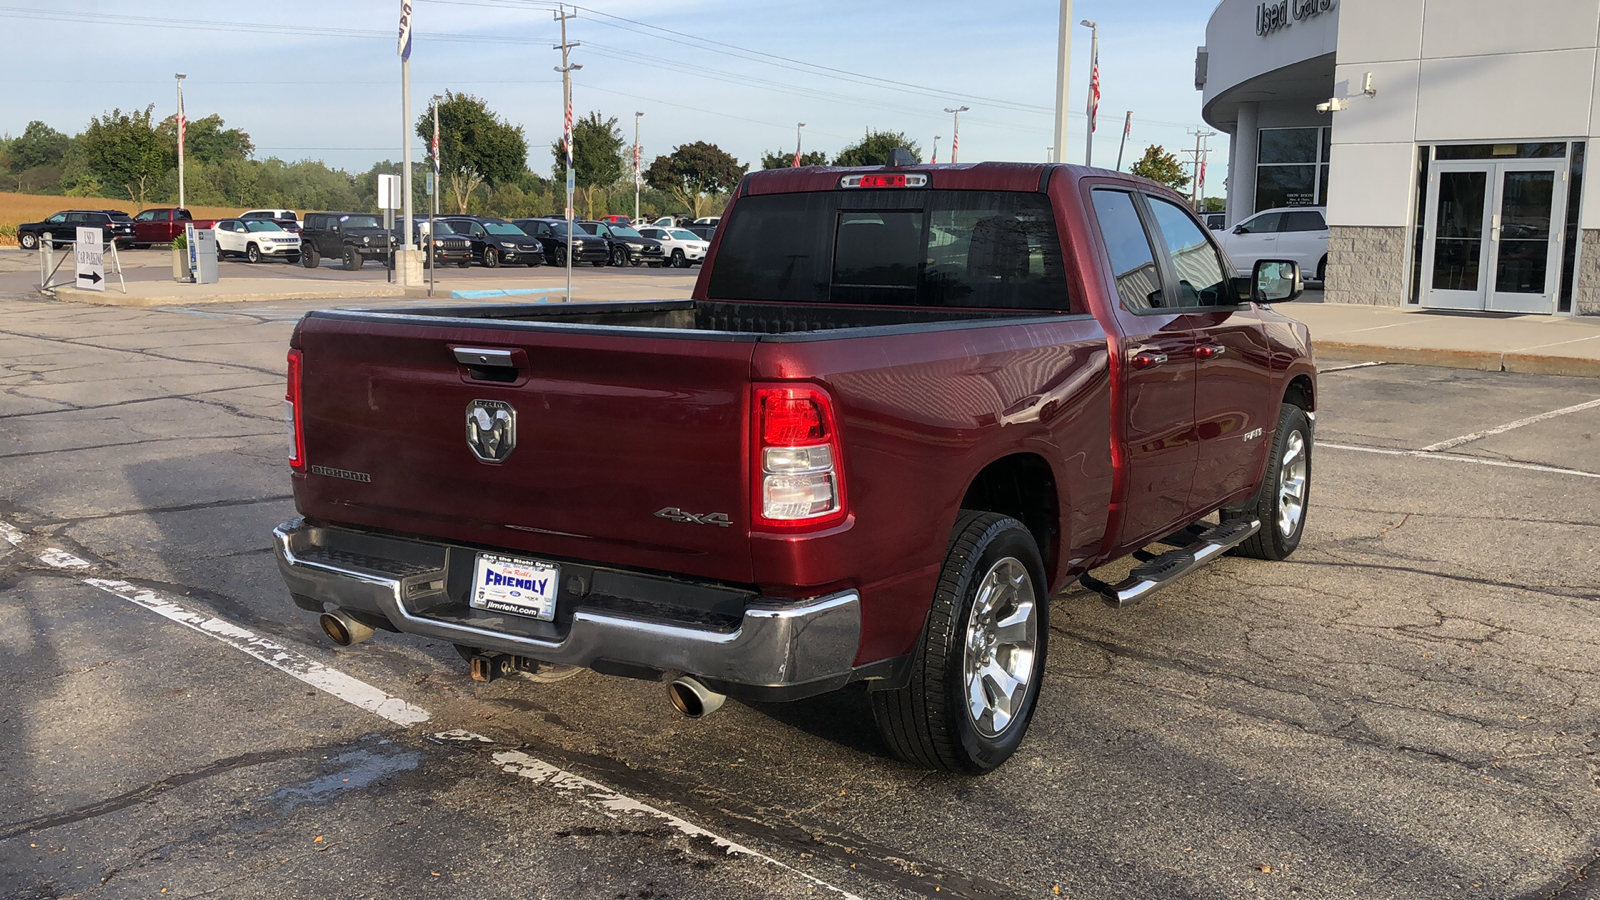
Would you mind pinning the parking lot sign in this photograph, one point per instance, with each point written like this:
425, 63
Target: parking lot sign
90, 260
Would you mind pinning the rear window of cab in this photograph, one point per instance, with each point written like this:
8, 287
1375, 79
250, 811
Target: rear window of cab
972, 249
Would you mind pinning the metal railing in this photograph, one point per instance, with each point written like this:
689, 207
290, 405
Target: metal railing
49, 265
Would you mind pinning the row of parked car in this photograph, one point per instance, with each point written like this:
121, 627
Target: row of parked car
357, 238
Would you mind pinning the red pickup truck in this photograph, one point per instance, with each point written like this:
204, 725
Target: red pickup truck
162, 226
903, 407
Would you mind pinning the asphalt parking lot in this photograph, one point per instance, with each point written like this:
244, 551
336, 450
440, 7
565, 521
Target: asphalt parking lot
1408, 708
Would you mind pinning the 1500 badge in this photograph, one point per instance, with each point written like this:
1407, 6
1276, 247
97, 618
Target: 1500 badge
677, 515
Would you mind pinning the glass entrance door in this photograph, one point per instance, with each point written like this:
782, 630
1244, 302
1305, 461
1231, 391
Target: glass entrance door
1493, 237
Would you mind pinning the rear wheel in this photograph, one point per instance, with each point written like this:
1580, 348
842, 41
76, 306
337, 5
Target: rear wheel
310, 258
252, 253
352, 259
561, 255
491, 258
1285, 493
976, 674
1322, 270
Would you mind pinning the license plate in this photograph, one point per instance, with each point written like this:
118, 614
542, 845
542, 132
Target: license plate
523, 587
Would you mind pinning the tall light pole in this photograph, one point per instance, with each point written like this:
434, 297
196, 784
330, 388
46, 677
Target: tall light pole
636, 160
182, 126
955, 136
1063, 70
935, 160
1093, 108
797, 128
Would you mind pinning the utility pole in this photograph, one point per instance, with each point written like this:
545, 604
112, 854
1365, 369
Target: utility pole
636, 159
182, 124
797, 129
1063, 73
429, 246
1198, 153
566, 69
955, 136
1093, 109
405, 133
1127, 126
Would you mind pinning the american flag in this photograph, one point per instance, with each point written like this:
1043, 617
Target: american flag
567, 138
183, 126
955, 143
638, 160
436, 141
1094, 91
796, 163
935, 160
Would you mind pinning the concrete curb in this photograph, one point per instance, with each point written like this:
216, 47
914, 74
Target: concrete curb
116, 298
1481, 360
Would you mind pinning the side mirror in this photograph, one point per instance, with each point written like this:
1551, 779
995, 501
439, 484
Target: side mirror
1276, 281
1240, 229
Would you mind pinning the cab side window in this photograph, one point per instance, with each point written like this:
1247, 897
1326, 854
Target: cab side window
1307, 220
1266, 223
1194, 260
1133, 264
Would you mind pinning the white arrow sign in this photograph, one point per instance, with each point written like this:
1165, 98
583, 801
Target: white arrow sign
91, 260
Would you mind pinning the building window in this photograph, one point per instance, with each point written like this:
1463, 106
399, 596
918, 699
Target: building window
1292, 167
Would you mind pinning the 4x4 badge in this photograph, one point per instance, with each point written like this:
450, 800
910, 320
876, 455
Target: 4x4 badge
677, 515
491, 430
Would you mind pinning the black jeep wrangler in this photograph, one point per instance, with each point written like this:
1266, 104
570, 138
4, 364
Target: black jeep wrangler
353, 238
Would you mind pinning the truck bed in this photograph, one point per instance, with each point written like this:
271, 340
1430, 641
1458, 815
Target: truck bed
715, 318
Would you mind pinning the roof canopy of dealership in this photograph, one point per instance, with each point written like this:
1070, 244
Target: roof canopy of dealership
1446, 138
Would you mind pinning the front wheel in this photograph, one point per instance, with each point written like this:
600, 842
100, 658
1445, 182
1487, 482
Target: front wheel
619, 257
976, 674
252, 254
1285, 493
678, 260
28, 241
352, 259
491, 258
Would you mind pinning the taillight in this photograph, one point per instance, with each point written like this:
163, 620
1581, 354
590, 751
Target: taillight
798, 480
291, 415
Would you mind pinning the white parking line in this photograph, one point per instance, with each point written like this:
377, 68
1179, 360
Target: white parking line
1501, 429
1456, 458
358, 693
1364, 365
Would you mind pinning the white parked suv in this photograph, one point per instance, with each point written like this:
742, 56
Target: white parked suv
256, 239
682, 248
1299, 233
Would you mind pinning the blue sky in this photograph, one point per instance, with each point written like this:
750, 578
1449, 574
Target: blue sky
321, 79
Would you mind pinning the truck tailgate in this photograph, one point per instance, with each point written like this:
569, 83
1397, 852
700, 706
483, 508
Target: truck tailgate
610, 429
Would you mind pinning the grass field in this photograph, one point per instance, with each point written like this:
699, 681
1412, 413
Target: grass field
16, 209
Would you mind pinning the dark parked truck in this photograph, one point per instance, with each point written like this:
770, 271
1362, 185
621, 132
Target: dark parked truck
903, 407
163, 225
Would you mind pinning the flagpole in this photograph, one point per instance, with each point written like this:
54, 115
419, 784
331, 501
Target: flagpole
1127, 126
935, 160
430, 246
181, 127
797, 145
405, 137
566, 69
1094, 90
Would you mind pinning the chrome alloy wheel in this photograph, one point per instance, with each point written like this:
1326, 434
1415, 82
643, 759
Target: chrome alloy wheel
1292, 478
1002, 635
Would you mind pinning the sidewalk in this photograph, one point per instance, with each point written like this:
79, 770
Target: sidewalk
1541, 345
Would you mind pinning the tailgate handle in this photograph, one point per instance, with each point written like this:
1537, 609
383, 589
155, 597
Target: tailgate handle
478, 356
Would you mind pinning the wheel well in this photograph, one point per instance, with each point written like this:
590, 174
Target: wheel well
1021, 486
1301, 394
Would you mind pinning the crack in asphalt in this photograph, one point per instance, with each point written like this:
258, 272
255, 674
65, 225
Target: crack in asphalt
71, 407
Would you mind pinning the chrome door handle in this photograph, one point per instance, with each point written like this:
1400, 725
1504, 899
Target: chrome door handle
1209, 351
1148, 359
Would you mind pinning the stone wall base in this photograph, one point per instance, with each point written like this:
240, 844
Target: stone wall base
1586, 285
1367, 265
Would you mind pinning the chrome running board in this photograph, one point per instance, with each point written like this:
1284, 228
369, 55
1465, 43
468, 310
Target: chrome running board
1156, 572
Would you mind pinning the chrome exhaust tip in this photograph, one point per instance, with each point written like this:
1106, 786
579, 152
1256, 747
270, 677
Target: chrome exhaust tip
344, 629
692, 698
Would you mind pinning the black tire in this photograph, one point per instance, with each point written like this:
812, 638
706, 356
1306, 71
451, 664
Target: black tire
535, 261
619, 257
310, 258
463, 264
598, 263
1322, 270
352, 259
252, 253
1275, 540
928, 722
545, 673
561, 255
654, 265
141, 246
678, 261
491, 258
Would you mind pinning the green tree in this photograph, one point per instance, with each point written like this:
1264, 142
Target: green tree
207, 140
476, 147
39, 145
1213, 204
695, 174
783, 159
873, 150
125, 153
596, 157
1161, 167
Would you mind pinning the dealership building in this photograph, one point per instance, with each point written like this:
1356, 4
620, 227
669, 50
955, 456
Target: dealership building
1446, 138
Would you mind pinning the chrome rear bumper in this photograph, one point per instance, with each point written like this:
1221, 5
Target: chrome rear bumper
776, 644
